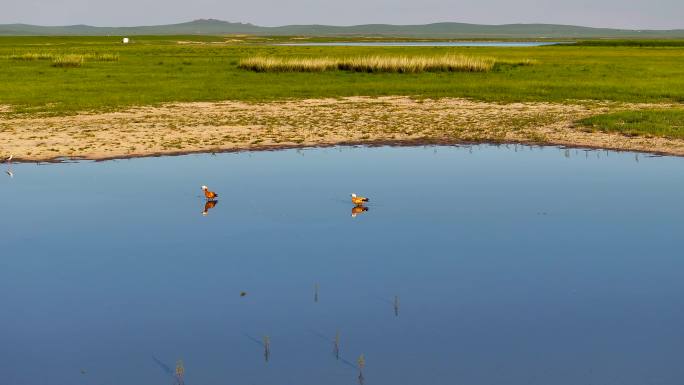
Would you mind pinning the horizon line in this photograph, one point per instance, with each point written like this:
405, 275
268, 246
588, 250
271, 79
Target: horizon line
339, 25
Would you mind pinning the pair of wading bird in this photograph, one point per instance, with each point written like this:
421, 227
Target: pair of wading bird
211, 196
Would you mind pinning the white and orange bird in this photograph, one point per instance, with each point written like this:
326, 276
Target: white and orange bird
358, 200
209, 194
9, 158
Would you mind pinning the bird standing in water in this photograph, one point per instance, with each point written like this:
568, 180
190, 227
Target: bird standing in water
209, 194
358, 200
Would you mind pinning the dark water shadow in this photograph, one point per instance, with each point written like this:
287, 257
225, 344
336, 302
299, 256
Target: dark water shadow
336, 348
255, 340
167, 369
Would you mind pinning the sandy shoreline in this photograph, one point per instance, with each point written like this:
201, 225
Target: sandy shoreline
180, 128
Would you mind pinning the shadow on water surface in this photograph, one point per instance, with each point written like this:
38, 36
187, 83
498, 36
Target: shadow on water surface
336, 347
167, 369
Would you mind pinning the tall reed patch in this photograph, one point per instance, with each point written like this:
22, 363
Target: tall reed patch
68, 60
30, 56
280, 64
415, 64
104, 57
65, 59
396, 64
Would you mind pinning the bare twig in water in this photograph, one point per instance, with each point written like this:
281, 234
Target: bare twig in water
362, 364
180, 372
339, 357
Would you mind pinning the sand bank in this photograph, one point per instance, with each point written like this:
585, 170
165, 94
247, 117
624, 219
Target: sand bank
232, 126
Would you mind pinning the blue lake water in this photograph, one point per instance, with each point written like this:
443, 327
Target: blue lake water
428, 44
473, 265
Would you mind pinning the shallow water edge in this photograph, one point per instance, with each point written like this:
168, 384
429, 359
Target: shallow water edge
363, 144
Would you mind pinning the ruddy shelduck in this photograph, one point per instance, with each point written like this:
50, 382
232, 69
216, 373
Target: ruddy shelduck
358, 200
209, 194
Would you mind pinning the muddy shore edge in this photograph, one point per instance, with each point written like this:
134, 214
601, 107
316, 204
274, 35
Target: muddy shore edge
230, 126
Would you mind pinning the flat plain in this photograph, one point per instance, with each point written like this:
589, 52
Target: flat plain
41, 95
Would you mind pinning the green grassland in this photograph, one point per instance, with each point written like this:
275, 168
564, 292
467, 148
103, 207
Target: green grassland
668, 123
154, 70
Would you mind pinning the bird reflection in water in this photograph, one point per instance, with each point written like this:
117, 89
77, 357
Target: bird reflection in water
336, 346
316, 293
208, 205
356, 210
396, 306
267, 348
9, 172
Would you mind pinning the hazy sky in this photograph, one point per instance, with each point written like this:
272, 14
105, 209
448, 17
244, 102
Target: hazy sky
597, 13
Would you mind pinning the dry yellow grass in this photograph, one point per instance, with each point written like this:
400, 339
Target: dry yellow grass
398, 64
65, 59
279, 64
30, 56
101, 57
68, 60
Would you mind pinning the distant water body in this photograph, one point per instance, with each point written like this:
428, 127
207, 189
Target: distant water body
429, 44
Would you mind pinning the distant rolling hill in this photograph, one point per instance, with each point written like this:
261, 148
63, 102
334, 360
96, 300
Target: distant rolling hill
436, 30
